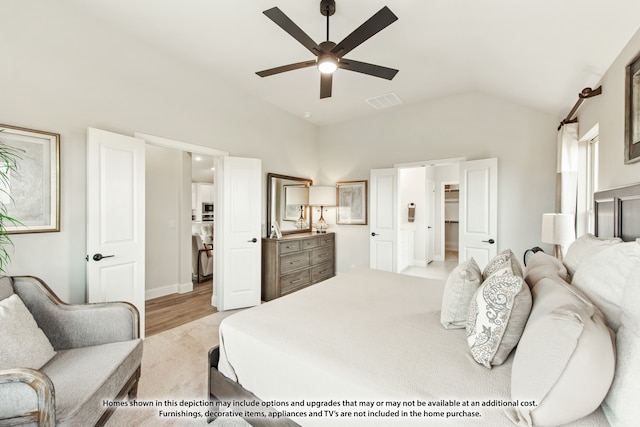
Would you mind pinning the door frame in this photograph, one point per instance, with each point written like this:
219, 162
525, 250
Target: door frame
185, 147
436, 163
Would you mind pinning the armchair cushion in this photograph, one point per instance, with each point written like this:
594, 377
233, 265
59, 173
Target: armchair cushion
83, 377
24, 345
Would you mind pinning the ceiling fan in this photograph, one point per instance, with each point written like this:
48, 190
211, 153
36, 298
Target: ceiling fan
330, 56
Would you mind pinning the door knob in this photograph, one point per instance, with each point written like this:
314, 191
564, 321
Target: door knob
490, 241
99, 257
254, 240
374, 234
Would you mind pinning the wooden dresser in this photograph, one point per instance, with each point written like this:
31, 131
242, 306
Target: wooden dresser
296, 261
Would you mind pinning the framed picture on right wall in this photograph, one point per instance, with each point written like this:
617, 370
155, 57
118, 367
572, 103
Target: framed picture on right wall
352, 202
632, 112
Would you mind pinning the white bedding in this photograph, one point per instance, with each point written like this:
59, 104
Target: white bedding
363, 335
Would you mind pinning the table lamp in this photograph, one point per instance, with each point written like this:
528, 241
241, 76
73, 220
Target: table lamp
323, 196
558, 229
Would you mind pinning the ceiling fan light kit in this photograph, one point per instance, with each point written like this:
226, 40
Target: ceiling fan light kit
330, 56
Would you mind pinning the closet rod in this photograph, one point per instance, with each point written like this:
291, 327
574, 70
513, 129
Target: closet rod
587, 92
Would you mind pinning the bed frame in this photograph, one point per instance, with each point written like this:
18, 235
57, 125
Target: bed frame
617, 214
222, 388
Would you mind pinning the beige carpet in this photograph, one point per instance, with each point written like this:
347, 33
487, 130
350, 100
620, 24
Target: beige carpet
174, 367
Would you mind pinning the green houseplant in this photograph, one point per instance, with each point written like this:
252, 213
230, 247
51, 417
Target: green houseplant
8, 162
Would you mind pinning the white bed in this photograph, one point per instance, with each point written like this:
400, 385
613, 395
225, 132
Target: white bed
374, 336
363, 335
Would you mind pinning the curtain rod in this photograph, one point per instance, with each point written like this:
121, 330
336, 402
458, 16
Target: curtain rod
587, 92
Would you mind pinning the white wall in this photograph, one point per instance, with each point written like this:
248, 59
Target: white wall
472, 125
165, 215
607, 111
67, 73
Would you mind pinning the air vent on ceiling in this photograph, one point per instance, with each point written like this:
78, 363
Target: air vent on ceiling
384, 101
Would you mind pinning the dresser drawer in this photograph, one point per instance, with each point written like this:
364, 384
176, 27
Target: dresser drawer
310, 243
293, 281
291, 246
321, 254
294, 261
322, 272
326, 240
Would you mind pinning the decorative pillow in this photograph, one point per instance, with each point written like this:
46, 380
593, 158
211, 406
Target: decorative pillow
497, 315
459, 288
603, 278
503, 263
565, 359
583, 247
541, 265
6, 287
24, 345
621, 406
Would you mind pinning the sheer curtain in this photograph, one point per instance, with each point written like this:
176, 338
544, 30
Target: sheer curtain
567, 169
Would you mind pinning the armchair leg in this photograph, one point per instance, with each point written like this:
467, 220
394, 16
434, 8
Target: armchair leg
133, 391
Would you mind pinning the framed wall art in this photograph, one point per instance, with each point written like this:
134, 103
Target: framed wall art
31, 193
632, 112
352, 202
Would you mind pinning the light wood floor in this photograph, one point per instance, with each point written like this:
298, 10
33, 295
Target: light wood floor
177, 309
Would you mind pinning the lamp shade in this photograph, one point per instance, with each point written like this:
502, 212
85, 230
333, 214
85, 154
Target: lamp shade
558, 229
322, 195
297, 195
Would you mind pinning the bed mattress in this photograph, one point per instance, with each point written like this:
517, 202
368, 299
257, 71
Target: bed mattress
366, 337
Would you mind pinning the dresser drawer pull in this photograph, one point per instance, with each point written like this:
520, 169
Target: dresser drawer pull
295, 261
322, 271
293, 282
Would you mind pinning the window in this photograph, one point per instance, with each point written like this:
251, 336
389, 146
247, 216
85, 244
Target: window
587, 182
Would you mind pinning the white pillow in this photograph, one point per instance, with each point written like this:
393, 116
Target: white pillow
24, 345
565, 360
541, 265
620, 406
459, 288
497, 315
603, 275
583, 247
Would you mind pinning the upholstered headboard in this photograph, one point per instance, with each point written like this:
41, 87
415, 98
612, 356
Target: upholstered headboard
617, 213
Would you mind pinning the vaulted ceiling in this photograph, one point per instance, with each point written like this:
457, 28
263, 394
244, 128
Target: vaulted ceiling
539, 53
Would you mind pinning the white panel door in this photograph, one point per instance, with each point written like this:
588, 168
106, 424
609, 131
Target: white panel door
237, 244
478, 210
116, 219
430, 220
384, 227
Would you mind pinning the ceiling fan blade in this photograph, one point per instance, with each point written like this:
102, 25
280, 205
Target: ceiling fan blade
373, 25
283, 21
282, 69
326, 81
366, 68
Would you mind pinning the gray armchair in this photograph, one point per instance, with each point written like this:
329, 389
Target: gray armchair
98, 357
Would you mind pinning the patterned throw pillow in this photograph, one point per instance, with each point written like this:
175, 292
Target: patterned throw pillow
503, 263
498, 314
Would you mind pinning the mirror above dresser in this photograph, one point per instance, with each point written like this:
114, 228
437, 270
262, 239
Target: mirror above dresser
287, 203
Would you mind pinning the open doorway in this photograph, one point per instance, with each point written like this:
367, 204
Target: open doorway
179, 198
428, 218
180, 215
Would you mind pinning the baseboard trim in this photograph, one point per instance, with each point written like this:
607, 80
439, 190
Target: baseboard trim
419, 262
176, 288
185, 287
